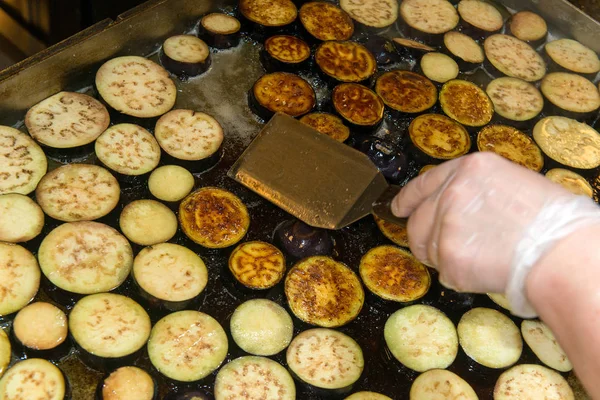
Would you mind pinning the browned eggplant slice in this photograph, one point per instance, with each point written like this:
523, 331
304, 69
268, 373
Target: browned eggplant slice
257, 265
185, 55
285, 53
327, 124
406, 92
127, 383
511, 144
326, 21
467, 103
345, 61
374, 14
438, 137
270, 13
571, 181
529, 27
358, 105
282, 92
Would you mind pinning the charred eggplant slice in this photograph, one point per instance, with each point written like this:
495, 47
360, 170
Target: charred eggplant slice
170, 183
19, 278
406, 92
107, 265
136, 86
396, 233
367, 396
185, 55
358, 105
480, 17
257, 265
324, 292
490, 338
513, 57
213, 217
5, 352
439, 67
394, 274
40, 330
511, 144
147, 222
127, 383
67, 120
374, 14
220, 31
529, 27
514, 99
579, 144
21, 218
542, 342
464, 49
327, 124
35, 377
571, 56
438, 137
467, 103
285, 53
260, 377
571, 181
441, 384
345, 61
300, 240
326, 21
261, 327
282, 92
109, 329
429, 18
78, 192
421, 338
22, 162
570, 94
187, 346
269, 13
537, 381
325, 359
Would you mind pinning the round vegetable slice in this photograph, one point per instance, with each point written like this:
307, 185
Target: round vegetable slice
514, 58
573, 56
282, 92
257, 265
528, 26
147, 222
429, 16
220, 30
542, 342
439, 137
439, 67
37, 378
40, 326
571, 92
19, 278
270, 13
396, 233
439, 384
170, 183
358, 104
464, 47
128, 383
327, 124
481, 15
406, 91
511, 144
367, 396
345, 61
531, 382
467, 103
571, 181
326, 21
21, 219
515, 99
372, 13
285, 52
185, 55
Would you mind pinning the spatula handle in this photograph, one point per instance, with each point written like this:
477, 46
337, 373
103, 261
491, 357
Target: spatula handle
382, 207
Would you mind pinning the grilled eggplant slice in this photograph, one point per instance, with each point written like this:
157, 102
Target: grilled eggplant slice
147, 222
439, 384
394, 274
170, 183
467, 103
19, 278
5, 352
529, 27
281, 92
40, 331
213, 217
109, 329
513, 57
490, 338
571, 181
326, 359
396, 233
220, 31
439, 67
429, 19
67, 120
169, 276
254, 378
479, 18
324, 292
500, 300
326, 21
361, 107
136, 86
570, 95
531, 382
22, 162
107, 263
185, 55
187, 346
421, 337
367, 396
542, 342
285, 53
36, 378
21, 219
438, 137
261, 327
257, 265
269, 13
374, 14
78, 192
300, 240
345, 61
127, 383
514, 99
571, 56
406, 92
511, 144
327, 124
579, 144
464, 49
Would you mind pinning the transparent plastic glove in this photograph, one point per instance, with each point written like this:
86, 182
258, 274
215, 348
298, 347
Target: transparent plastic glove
483, 222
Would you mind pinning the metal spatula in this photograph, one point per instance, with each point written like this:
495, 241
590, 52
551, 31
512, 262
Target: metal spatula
320, 181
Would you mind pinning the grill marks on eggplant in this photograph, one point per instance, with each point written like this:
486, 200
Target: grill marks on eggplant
439, 384
372, 13
466, 103
406, 91
511, 144
515, 99
324, 292
284, 92
271, 13
573, 56
326, 21
571, 92
40, 326
439, 137
571, 181
358, 104
136, 86
429, 16
22, 162
345, 61
257, 265
35, 378
67, 120
529, 382
21, 219
287, 49
78, 192
147, 222
19, 278
514, 58
327, 124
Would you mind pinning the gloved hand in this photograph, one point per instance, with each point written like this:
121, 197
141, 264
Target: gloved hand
483, 222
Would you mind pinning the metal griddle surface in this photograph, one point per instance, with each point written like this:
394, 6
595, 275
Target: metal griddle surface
222, 92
